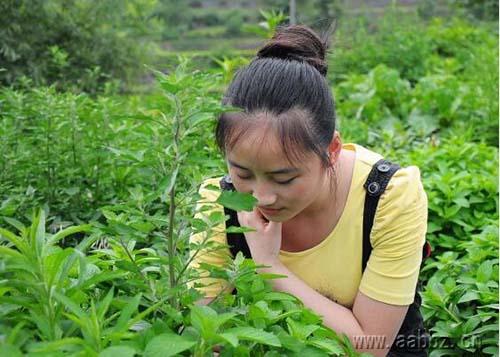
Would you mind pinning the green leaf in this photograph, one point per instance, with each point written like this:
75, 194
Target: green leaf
234, 229
168, 183
11, 351
127, 312
54, 265
169, 86
203, 318
471, 324
484, 328
328, 345
71, 191
423, 124
237, 201
38, 233
70, 305
167, 344
15, 223
18, 242
310, 351
216, 217
229, 338
4, 251
53, 347
103, 305
105, 276
462, 202
68, 231
127, 265
484, 271
286, 340
121, 351
299, 330
255, 335
493, 350
469, 296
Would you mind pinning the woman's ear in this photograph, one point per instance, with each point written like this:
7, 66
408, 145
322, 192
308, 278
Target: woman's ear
334, 148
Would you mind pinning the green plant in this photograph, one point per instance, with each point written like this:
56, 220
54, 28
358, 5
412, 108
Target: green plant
267, 28
38, 269
74, 45
131, 166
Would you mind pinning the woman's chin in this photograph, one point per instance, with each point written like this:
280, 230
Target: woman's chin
278, 218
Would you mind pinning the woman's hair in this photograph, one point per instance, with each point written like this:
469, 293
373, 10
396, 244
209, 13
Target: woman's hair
285, 84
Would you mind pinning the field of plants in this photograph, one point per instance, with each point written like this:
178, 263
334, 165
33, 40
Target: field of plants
98, 194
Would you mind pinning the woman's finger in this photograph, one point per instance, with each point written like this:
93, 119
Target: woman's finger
273, 227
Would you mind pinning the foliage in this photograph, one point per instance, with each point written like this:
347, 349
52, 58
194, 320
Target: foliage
176, 16
480, 9
130, 294
78, 45
267, 28
437, 103
411, 46
58, 301
102, 268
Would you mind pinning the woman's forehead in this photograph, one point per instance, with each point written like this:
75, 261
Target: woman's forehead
260, 148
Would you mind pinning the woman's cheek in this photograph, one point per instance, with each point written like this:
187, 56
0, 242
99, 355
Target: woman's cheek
301, 190
241, 186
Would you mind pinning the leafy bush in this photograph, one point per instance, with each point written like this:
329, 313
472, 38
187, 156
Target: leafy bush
126, 296
435, 104
361, 46
126, 171
59, 301
74, 44
408, 45
480, 9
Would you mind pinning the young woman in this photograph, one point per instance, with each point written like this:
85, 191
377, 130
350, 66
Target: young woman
284, 149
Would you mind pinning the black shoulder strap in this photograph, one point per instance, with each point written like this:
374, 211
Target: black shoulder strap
236, 241
375, 185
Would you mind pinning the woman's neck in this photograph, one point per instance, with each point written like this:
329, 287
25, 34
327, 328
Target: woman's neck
325, 212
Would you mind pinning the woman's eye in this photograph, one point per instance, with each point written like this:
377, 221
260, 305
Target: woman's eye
286, 182
278, 182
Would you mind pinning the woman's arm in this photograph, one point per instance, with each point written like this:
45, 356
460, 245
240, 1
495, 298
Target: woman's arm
371, 326
391, 275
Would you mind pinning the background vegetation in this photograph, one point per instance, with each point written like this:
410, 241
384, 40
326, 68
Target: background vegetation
102, 158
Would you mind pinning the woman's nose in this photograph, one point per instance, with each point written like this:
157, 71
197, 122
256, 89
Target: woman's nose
264, 195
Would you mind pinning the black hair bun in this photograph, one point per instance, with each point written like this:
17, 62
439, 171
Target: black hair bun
297, 43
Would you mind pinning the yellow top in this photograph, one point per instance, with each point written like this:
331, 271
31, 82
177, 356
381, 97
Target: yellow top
333, 267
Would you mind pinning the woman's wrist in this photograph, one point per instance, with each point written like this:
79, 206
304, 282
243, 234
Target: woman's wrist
272, 265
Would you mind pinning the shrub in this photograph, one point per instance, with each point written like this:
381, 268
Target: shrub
74, 44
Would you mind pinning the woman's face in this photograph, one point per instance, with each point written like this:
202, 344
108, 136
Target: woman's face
258, 165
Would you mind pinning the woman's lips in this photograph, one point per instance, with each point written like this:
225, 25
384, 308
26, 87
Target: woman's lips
270, 211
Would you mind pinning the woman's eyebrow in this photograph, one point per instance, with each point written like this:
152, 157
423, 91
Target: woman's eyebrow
275, 172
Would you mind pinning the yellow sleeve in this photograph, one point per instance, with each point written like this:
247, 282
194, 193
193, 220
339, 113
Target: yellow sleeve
397, 238
212, 286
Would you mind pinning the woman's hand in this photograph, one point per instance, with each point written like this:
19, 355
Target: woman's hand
265, 243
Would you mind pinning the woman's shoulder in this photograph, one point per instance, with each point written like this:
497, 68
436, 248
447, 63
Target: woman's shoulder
404, 201
366, 159
404, 190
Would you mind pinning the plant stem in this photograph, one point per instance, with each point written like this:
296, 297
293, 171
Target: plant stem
50, 187
170, 237
171, 245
